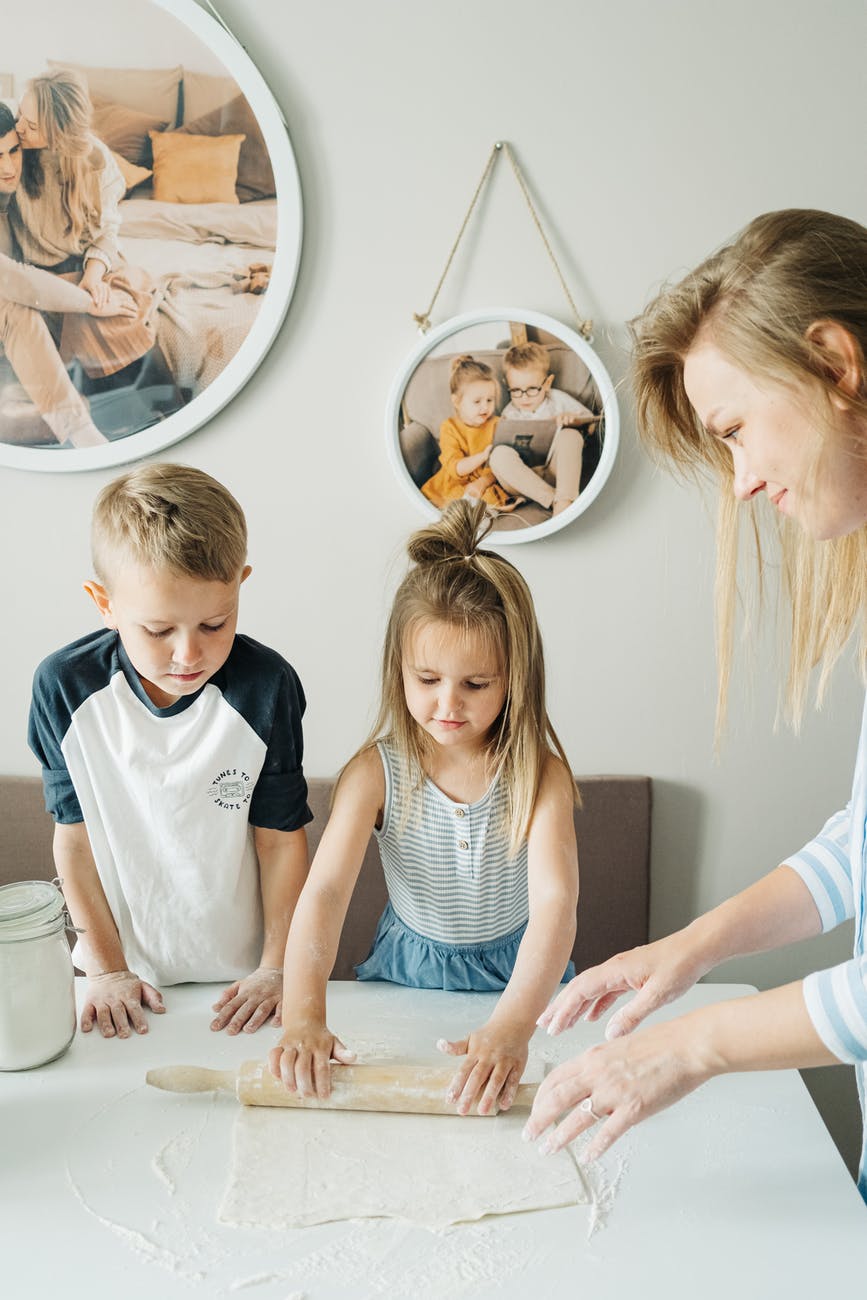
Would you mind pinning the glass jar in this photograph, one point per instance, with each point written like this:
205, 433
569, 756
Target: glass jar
37, 989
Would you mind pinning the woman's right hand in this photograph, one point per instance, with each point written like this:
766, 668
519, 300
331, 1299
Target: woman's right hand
302, 1059
657, 973
117, 302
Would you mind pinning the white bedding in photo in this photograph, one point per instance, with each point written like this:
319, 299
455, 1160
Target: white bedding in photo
198, 256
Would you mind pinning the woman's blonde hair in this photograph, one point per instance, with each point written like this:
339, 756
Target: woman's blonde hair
465, 370
472, 592
171, 518
756, 300
63, 114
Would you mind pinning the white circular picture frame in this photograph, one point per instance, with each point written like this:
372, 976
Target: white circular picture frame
419, 400
158, 35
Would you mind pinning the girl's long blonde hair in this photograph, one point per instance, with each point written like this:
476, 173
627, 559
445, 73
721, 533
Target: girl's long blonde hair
63, 113
756, 299
454, 582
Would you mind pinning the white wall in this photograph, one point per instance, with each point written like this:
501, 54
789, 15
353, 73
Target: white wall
116, 34
649, 133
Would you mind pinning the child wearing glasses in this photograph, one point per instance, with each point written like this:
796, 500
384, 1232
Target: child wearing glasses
556, 483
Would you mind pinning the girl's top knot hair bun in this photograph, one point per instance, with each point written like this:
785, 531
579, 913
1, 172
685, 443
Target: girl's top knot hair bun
457, 534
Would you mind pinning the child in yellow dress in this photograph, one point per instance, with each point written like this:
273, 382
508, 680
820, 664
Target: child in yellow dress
466, 439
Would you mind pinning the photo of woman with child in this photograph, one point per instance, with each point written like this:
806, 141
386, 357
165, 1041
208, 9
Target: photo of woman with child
526, 425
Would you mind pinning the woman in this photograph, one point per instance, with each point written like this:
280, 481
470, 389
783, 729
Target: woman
65, 219
753, 366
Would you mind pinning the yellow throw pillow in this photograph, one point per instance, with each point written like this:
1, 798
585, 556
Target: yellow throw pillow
132, 174
195, 168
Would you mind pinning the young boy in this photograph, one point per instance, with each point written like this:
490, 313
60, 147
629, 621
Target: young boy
171, 751
527, 370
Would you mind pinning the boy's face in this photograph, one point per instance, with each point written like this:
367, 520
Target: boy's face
176, 629
528, 386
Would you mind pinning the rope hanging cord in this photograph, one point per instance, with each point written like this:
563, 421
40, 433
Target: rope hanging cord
422, 319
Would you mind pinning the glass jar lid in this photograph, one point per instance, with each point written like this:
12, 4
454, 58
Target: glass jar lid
30, 909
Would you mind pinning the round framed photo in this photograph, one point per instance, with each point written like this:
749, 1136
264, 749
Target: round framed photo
510, 406
150, 228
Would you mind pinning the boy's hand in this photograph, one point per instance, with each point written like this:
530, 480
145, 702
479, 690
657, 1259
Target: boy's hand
303, 1059
249, 1002
495, 1060
576, 420
114, 1000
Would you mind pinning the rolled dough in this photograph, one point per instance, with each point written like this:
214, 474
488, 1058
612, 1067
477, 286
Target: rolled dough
292, 1169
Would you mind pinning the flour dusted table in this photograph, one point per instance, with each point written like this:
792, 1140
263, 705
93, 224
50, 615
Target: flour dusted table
110, 1189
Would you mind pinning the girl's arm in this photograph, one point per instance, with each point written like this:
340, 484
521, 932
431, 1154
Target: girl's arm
115, 995
454, 449
249, 1002
302, 1058
496, 1054
469, 463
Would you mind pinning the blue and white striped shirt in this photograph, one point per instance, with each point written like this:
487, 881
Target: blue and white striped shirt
833, 866
447, 864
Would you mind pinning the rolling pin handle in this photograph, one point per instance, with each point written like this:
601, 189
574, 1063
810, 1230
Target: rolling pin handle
191, 1078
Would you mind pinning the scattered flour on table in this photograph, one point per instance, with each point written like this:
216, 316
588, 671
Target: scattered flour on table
149, 1251
173, 1158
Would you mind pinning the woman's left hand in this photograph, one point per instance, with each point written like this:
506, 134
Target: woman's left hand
495, 1060
618, 1085
93, 280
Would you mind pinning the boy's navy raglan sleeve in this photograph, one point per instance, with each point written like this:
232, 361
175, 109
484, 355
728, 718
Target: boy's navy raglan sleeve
279, 800
48, 724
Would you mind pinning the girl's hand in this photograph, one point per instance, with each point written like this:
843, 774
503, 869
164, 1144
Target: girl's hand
495, 1060
618, 1085
114, 1001
658, 972
249, 1002
302, 1060
93, 281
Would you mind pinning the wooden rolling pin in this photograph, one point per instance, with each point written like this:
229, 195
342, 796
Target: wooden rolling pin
416, 1089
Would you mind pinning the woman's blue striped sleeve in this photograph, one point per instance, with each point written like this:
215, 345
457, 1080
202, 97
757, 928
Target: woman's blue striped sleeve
837, 1005
825, 869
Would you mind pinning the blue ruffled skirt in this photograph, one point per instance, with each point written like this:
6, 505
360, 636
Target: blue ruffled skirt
402, 956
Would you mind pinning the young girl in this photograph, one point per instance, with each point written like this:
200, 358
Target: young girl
466, 439
753, 367
65, 219
470, 796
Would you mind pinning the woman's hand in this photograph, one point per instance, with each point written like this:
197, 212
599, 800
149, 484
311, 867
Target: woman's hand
495, 1057
113, 302
618, 1085
249, 1002
657, 972
114, 1001
302, 1060
93, 281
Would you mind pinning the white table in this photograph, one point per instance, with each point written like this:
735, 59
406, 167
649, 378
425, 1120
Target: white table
109, 1189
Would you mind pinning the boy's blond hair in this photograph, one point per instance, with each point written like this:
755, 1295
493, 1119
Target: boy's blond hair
755, 300
521, 356
169, 517
473, 591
